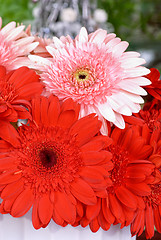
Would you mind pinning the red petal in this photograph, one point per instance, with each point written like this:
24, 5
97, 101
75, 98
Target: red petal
30, 90
2, 71
23, 203
83, 192
100, 188
126, 139
53, 110
133, 120
9, 133
94, 158
22, 112
116, 208
106, 211
12, 188
91, 174
45, 209
17, 78
7, 163
22, 102
57, 218
102, 222
70, 105
154, 93
10, 201
137, 226
136, 146
94, 225
85, 129
10, 176
146, 133
64, 207
36, 109
144, 152
149, 222
44, 110
154, 75
3, 107
66, 119
84, 222
35, 216
146, 169
97, 143
79, 208
126, 197
4, 145
157, 219
93, 211
141, 189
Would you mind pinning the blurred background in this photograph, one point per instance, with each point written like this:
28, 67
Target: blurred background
136, 21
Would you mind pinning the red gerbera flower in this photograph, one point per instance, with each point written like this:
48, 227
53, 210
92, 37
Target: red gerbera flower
58, 165
17, 88
129, 175
150, 216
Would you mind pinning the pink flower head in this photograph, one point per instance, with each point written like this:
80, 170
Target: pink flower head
15, 45
95, 72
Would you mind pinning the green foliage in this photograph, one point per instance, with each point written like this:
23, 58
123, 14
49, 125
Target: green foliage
119, 11
18, 11
131, 17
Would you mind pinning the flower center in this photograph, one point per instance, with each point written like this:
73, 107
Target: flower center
81, 75
82, 78
48, 158
120, 160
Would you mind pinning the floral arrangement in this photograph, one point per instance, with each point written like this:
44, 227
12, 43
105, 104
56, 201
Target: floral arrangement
88, 153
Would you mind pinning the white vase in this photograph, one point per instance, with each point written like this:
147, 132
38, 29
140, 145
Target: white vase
22, 229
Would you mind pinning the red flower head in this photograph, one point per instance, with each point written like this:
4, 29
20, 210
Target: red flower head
16, 90
150, 216
57, 166
129, 175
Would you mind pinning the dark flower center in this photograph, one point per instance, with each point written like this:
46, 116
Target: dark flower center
82, 76
48, 158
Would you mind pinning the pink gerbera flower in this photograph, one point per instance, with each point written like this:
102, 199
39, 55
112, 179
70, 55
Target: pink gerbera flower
95, 72
15, 45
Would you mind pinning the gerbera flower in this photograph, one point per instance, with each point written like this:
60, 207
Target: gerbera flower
17, 88
15, 45
95, 72
57, 166
150, 216
129, 177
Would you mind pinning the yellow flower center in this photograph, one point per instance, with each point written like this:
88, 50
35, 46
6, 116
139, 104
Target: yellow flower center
81, 75
82, 78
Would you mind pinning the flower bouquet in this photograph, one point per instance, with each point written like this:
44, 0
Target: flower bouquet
87, 154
